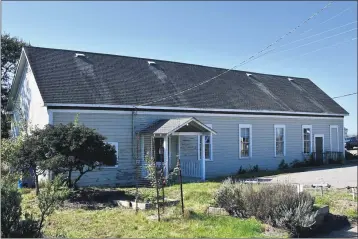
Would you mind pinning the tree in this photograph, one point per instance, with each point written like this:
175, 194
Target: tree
73, 147
10, 54
30, 156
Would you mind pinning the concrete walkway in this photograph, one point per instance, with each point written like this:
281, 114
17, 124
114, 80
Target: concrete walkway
337, 177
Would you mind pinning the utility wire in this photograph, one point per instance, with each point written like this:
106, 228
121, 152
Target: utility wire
327, 20
344, 95
309, 43
317, 34
285, 59
243, 62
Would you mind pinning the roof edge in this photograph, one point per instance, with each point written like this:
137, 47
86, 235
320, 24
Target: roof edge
212, 110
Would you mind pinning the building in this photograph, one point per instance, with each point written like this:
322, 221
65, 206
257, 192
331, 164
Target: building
236, 119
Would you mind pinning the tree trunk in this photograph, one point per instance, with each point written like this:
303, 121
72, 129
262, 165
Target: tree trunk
37, 184
69, 182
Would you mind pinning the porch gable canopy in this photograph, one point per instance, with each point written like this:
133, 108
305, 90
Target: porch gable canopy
177, 126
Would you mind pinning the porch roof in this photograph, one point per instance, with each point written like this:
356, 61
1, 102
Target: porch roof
170, 126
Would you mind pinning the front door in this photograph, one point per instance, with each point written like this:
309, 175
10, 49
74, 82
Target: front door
319, 149
159, 151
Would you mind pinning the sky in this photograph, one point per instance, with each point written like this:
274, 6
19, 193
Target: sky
221, 34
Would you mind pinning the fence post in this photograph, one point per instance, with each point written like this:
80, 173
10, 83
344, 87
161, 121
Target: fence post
202, 157
181, 187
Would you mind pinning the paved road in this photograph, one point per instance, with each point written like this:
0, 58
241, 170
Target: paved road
349, 232
337, 177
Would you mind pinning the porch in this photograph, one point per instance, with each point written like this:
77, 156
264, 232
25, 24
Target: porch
170, 140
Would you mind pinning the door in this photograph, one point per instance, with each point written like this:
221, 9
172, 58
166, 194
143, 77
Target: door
159, 151
319, 148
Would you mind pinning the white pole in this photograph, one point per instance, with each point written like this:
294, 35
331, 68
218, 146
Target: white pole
165, 145
203, 157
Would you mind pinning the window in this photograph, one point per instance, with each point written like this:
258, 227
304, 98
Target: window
208, 141
115, 144
245, 138
333, 141
307, 138
280, 144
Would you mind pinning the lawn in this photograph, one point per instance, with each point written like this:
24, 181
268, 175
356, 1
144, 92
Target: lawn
119, 222
340, 202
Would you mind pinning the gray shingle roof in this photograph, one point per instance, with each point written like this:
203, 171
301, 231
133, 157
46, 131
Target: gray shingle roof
121, 80
166, 126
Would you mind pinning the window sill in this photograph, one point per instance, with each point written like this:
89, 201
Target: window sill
244, 158
115, 166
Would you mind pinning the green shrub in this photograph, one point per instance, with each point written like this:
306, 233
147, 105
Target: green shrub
278, 204
251, 169
10, 206
283, 165
241, 170
230, 196
299, 164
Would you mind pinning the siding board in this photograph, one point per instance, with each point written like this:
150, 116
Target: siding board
117, 128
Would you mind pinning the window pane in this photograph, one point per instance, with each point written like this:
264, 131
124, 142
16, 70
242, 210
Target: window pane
245, 142
207, 151
207, 139
279, 148
306, 147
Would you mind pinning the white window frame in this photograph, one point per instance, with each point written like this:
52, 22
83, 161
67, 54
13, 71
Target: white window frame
245, 126
115, 144
330, 136
279, 126
303, 137
211, 144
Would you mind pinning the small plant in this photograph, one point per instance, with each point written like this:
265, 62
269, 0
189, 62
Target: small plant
255, 169
283, 165
298, 164
241, 170
10, 206
278, 205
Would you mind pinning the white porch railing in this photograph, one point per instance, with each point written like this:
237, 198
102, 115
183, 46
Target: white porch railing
191, 168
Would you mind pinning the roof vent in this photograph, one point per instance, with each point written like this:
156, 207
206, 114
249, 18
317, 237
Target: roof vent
151, 63
248, 74
79, 55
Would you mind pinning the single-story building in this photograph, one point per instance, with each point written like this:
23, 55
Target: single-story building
212, 119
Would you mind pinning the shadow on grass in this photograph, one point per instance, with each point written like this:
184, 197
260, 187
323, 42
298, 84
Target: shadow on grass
95, 199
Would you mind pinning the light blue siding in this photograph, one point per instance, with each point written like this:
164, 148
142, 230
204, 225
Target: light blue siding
118, 128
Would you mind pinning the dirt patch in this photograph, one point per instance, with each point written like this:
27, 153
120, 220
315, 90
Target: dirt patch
93, 199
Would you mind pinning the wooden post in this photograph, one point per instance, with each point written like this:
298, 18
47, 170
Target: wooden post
203, 157
181, 187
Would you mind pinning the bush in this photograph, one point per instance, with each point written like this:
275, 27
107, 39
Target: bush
10, 206
241, 170
251, 169
278, 205
298, 164
230, 197
283, 165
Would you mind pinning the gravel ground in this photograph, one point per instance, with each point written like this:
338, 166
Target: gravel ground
337, 177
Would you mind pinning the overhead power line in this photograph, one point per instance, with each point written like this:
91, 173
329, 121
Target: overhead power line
295, 56
306, 44
340, 13
344, 95
243, 62
317, 34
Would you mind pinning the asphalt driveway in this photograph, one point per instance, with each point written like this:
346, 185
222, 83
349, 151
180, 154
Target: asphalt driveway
337, 177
